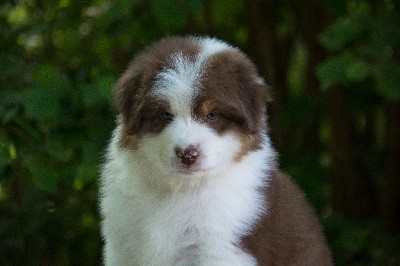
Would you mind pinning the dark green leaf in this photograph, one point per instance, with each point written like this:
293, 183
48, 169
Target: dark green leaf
169, 15
225, 12
42, 104
9, 65
9, 104
345, 31
4, 155
59, 149
333, 71
196, 6
43, 100
357, 70
388, 77
120, 8
45, 178
338, 7
86, 174
50, 78
385, 29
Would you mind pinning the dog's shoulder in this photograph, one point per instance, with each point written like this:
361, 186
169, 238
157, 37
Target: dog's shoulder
289, 233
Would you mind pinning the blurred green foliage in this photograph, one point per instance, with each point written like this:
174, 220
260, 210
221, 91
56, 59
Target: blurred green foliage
365, 43
59, 60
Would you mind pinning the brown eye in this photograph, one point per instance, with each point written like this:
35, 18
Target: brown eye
212, 116
167, 116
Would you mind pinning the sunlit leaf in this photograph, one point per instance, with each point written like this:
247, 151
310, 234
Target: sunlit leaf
18, 15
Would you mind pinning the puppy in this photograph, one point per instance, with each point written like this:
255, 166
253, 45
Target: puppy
190, 176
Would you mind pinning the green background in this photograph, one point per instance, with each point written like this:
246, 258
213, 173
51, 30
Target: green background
334, 67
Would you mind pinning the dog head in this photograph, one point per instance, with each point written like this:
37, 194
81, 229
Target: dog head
191, 105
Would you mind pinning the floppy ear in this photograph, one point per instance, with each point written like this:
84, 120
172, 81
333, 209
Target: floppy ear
265, 89
126, 98
257, 94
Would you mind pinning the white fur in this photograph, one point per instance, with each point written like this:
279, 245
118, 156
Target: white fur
212, 46
155, 214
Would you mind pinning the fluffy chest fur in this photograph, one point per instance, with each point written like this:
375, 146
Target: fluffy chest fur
197, 225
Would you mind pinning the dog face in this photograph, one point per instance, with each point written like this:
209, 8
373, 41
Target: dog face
191, 105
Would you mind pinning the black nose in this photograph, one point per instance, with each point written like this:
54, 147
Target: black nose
187, 155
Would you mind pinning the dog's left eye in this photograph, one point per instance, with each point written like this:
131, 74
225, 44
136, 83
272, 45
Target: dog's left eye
212, 116
167, 116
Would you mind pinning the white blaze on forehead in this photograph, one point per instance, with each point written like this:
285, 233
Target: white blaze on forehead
179, 82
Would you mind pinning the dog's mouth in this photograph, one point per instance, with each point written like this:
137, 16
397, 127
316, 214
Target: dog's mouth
188, 169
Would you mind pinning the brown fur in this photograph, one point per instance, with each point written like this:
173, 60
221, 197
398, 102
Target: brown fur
290, 233
228, 88
134, 85
229, 79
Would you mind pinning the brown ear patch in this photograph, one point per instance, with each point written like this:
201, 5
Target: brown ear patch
134, 86
224, 116
151, 117
229, 88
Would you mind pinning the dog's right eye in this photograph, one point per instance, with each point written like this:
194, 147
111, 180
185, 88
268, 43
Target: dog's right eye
167, 116
212, 116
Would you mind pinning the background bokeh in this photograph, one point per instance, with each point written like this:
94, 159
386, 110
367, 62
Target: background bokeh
334, 67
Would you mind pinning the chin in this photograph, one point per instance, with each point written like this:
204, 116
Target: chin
190, 176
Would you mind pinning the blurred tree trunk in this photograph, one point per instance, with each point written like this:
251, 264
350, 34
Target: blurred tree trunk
311, 20
272, 55
352, 190
391, 195
351, 186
